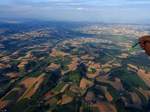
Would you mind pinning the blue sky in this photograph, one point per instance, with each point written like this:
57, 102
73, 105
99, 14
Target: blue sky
78, 10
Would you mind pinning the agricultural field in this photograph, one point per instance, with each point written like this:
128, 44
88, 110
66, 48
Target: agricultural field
74, 67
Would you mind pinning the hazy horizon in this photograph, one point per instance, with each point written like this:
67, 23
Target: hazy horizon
120, 11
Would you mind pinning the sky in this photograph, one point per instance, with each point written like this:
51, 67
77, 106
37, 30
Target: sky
121, 11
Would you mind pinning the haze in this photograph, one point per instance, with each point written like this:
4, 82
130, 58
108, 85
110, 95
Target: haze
121, 11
